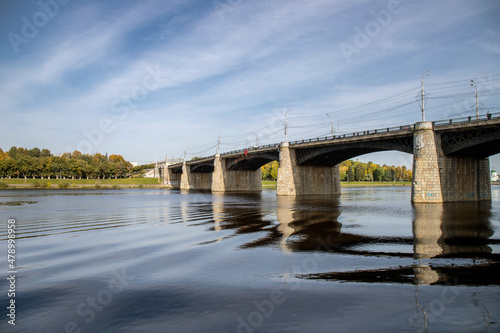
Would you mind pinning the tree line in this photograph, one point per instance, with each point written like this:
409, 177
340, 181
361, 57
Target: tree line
36, 163
359, 171
354, 171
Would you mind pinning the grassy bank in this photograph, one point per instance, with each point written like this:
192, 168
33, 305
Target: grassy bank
364, 184
141, 183
79, 183
272, 184
269, 183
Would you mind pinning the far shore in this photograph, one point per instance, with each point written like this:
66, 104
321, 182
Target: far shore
21, 183
272, 184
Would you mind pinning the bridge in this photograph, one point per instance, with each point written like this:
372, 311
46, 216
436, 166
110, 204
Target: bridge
450, 161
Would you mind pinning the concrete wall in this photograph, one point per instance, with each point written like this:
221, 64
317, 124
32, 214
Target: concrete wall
440, 178
195, 181
465, 179
224, 180
170, 178
295, 179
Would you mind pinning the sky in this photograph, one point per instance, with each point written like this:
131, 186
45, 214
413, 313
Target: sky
149, 79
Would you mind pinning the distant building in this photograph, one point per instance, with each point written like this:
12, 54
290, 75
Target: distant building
494, 175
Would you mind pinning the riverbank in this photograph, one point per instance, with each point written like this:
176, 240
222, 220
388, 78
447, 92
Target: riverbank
144, 183
272, 184
80, 183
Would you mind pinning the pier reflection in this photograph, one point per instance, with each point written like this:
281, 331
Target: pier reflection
441, 231
452, 230
311, 224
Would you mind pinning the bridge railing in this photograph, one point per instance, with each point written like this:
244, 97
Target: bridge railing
464, 120
249, 149
395, 129
404, 128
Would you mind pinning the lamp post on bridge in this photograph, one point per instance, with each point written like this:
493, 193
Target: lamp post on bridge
426, 73
286, 124
328, 115
477, 104
256, 140
218, 144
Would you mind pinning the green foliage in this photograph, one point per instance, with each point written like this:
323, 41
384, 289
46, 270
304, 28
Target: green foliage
350, 173
270, 171
358, 171
21, 162
63, 185
3, 184
378, 174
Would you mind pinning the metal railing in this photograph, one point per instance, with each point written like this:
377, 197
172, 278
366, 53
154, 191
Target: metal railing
405, 128
465, 120
395, 129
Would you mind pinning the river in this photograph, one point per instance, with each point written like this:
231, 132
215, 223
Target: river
155, 260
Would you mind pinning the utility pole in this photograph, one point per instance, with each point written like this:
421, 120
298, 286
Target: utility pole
286, 124
256, 139
328, 115
477, 104
426, 73
218, 144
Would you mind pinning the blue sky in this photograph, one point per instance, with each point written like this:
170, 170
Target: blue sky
150, 78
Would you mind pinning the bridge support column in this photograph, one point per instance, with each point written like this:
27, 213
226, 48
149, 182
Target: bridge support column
224, 180
195, 180
296, 180
171, 178
440, 178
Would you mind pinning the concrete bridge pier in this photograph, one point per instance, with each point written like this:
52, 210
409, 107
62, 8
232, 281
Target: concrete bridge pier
171, 178
294, 179
441, 178
195, 180
224, 180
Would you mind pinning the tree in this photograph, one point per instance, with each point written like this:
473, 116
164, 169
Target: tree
408, 175
24, 165
359, 172
45, 153
350, 173
34, 152
378, 174
388, 175
270, 171
13, 152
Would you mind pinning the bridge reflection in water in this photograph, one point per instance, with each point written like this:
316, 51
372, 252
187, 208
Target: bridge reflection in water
311, 224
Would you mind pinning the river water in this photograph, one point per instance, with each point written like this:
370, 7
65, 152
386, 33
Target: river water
154, 260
